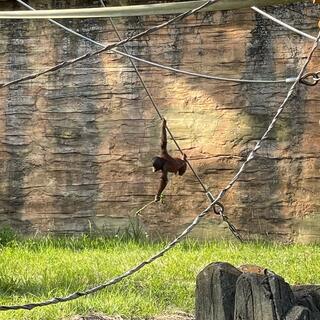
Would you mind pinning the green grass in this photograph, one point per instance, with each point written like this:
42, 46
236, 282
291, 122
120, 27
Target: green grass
34, 270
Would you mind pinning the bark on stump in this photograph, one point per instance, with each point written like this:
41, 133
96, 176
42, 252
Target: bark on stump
215, 291
225, 293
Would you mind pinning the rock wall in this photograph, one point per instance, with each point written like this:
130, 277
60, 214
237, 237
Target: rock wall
76, 145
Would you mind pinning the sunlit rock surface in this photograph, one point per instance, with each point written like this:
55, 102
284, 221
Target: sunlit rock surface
76, 145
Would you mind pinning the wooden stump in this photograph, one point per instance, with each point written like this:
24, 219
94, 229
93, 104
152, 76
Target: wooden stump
262, 297
308, 296
225, 293
298, 313
215, 292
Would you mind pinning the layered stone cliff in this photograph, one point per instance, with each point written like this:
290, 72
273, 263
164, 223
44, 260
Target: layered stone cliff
76, 145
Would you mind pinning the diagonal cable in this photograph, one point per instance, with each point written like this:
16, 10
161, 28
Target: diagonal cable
155, 64
197, 219
272, 123
113, 45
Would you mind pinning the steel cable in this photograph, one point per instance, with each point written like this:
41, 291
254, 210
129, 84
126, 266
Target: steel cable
112, 45
269, 16
155, 64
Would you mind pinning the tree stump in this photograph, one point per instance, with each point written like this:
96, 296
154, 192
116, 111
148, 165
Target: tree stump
298, 313
215, 291
223, 292
263, 297
308, 296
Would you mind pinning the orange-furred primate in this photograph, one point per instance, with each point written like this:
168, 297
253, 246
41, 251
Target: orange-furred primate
166, 163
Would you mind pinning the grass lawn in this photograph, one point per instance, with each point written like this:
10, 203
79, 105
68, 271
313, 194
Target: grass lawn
34, 270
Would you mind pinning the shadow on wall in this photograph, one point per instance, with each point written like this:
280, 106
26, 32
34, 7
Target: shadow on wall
268, 201
74, 137
18, 111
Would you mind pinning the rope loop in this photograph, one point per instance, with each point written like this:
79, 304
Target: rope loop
218, 208
310, 79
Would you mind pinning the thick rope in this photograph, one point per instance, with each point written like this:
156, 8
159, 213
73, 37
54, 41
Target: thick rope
197, 219
272, 123
115, 280
155, 64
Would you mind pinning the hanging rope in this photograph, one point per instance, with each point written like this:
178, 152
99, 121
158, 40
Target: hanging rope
218, 207
222, 193
206, 76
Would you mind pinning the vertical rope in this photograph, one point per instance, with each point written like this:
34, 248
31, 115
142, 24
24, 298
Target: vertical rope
154, 104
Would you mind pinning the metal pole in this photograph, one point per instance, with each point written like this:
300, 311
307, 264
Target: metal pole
139, 10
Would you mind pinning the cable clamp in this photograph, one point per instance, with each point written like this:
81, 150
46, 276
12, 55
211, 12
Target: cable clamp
291, 80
